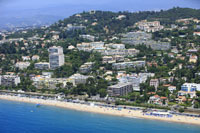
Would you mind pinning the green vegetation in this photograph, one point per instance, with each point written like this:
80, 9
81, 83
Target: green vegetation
181, 110
170, 67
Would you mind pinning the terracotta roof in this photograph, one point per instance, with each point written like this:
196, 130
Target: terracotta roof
166, 85
183, 98
156, 96
151, 93
163, 97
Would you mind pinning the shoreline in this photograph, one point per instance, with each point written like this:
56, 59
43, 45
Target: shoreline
103, 110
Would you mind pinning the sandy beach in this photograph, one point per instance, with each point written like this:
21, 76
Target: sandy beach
103, 110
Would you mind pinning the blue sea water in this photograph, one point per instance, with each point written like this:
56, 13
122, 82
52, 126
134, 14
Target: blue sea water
16, 117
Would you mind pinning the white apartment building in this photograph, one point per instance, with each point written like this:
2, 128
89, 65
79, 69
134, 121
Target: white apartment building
115, 46
189, 89
22, 65
26, 58
155, 83
42, 65
56, 57
35, 57
9, 80
78, 79
90, 46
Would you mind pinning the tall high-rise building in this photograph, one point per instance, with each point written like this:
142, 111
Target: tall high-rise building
56, 57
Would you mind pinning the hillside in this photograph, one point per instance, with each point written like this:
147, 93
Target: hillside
109, 48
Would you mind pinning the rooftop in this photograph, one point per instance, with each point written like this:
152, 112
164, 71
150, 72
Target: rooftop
119, 85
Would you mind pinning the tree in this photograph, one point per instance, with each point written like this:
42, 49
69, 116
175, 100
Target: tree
196, 105
181, 110
69, 85
59, 85
1, 37
134, 96
198, 93
117, 102
102, 92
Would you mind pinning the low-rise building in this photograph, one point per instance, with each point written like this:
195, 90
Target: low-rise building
108, 49
175, 50
152, 64
185, 20
155, 83
42, 82
196, 33
181, 99
192, 51
121, 52
35, 57
172, 88
197, 27
108, 59
189, 89
171, 55
115, 46
88, 37
149, 26
118, 58
108, 78
112, 59
158, 100
55, 37
87, 67
134, 78
120, 17
9, 80
78, 79
120, 89
125, 65
71, 47
71, 27
42, 65
26, 58
90, 46
22, 65
193, 59
47, 74
139, 38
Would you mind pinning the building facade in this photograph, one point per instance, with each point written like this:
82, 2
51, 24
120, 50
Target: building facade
9, 80
120, 89
35, 57
22, 65
42, 65
56, 57
78, 79
155, 83
189, 89
124, 65
87, 67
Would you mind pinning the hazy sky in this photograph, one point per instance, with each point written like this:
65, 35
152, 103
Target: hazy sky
69, 7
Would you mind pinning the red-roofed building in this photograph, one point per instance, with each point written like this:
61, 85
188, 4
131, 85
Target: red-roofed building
181, 99
151, 93
155, 83
166, 85
150, 64
196, 33
193, 59
158, 100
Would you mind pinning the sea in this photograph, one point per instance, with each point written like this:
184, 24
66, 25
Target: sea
17, 117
